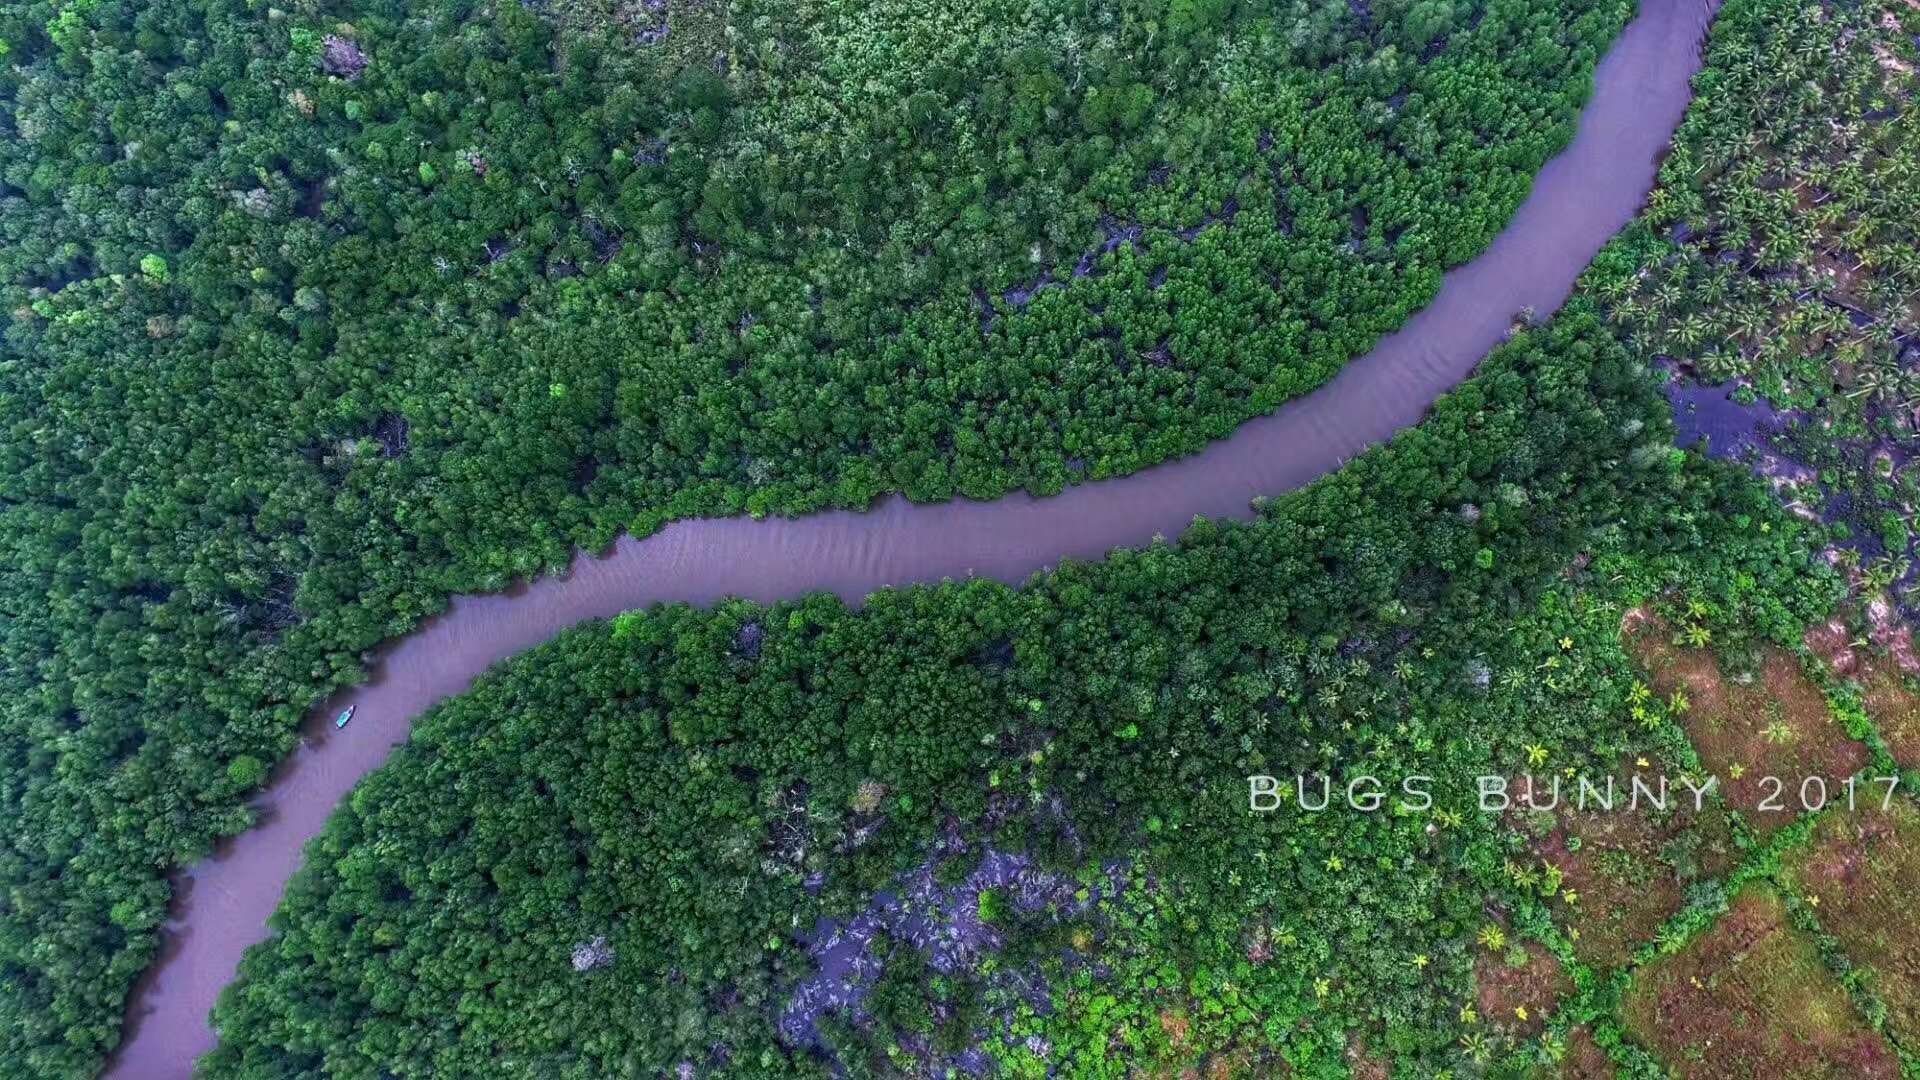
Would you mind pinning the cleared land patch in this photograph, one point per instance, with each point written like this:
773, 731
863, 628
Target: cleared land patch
1750, 998
1874, 663
1628, 870
1772, 721
1520, 986
1894, 705
1861, 872
1584, 1058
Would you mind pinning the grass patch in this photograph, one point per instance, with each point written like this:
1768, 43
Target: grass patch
1629, 870
1771, 720
1861, 873
1750, 998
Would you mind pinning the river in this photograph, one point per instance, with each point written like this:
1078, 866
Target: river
1579, 200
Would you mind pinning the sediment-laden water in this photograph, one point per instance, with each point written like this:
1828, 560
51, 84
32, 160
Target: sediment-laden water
1580, 199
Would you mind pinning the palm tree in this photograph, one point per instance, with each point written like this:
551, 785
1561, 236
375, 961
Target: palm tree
1669, 294
1615, 287
1714, 289
1691, 331
1751, 321
1871, 382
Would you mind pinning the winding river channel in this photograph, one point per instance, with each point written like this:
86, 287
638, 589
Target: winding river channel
1580, 199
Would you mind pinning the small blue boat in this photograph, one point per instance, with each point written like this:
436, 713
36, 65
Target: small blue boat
346, 714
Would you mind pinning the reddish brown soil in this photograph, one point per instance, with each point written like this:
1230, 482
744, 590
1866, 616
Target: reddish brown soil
1774, 723
1862, 871
1887, 688
1363, 1065
1831, 642
1894, 706
1629, 870
1585, 1060
1535, 983
1749, 998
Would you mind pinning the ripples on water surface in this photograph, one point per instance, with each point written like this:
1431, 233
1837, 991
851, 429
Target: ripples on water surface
1580, 199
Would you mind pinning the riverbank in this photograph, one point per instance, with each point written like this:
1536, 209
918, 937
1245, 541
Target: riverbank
1579, 200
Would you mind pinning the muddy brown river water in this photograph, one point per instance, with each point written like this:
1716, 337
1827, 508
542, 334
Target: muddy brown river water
1580, 199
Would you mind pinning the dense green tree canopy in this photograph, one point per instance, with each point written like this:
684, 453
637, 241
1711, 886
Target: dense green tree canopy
1781, 253
702, 806
313, 317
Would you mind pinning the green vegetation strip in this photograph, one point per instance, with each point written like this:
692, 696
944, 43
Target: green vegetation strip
1600, 995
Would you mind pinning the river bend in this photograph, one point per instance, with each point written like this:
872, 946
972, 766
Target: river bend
1579, 200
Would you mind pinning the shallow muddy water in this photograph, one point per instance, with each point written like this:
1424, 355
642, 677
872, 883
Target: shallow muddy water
1579, 200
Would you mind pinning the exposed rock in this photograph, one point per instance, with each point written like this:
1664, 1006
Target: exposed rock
869, 797
657, 32
605, 244
256, 202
